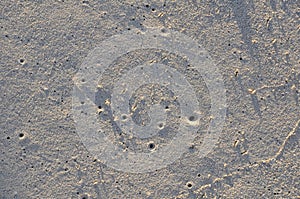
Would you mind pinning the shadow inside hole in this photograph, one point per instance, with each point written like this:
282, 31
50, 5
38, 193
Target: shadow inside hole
123, 117
21, 135
22, 61
151, 146
192, 118
189, 185
161, 125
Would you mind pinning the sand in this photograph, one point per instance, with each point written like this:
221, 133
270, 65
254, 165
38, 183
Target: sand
149, 99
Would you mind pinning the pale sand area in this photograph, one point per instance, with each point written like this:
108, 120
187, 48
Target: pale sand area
255, 46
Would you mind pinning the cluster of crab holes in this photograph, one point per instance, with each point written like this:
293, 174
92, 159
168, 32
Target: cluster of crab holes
160, 125
124, 117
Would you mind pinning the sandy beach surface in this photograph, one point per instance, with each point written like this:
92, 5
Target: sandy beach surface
149, 99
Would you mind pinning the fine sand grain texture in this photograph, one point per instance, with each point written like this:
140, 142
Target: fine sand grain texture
149, 99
